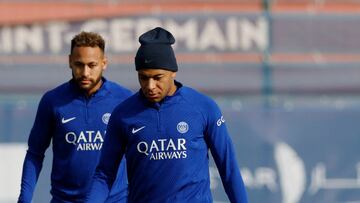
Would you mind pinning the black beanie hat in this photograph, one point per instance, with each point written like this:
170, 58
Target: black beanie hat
155, 51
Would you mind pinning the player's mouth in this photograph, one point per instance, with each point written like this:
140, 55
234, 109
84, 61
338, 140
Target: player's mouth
152, 96
85, 82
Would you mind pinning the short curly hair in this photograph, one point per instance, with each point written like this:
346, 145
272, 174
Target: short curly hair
88, 39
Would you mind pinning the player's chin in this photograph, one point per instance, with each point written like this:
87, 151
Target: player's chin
85, 86
153, 98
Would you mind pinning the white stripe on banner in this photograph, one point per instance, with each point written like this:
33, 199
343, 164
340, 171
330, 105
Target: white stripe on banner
11, 158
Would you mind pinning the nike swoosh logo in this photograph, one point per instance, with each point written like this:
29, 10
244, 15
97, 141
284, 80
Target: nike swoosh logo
63, 120
137, 130
147, 61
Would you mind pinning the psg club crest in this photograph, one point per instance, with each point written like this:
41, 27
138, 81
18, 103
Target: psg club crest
106, 117
182, 127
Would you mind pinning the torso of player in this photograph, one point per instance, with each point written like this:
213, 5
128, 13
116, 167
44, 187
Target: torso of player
81, 126
166, 145
165, 134
79, 133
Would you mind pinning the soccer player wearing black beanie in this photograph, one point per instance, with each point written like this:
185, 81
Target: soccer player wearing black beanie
165, 131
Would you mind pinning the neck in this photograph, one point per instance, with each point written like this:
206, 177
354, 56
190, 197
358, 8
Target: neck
173, 89
94, 89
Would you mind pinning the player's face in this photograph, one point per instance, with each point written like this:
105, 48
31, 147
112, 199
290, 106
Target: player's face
87, 65
157, 83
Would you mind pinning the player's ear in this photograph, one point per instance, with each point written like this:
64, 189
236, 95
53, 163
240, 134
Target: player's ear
70, 61
105, 63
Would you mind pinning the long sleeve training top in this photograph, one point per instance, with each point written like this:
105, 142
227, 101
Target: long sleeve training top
77, 127
166, 148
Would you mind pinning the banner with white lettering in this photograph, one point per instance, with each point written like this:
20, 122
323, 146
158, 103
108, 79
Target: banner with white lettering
230, 32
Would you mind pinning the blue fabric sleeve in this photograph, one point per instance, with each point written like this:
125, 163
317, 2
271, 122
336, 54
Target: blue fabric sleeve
223, 152
111, 155
38, 142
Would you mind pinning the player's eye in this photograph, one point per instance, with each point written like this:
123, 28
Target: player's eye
92, 65
158, 77
78, 64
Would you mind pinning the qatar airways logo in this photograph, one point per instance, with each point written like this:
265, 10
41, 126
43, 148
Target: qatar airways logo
89, 140
162, 149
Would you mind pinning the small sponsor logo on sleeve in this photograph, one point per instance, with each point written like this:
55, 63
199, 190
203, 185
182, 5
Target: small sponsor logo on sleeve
220, 121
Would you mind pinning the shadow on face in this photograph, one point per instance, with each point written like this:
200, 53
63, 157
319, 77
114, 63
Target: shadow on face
157, 83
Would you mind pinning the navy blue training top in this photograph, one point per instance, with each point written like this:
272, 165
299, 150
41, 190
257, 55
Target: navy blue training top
166, 147
77, 126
